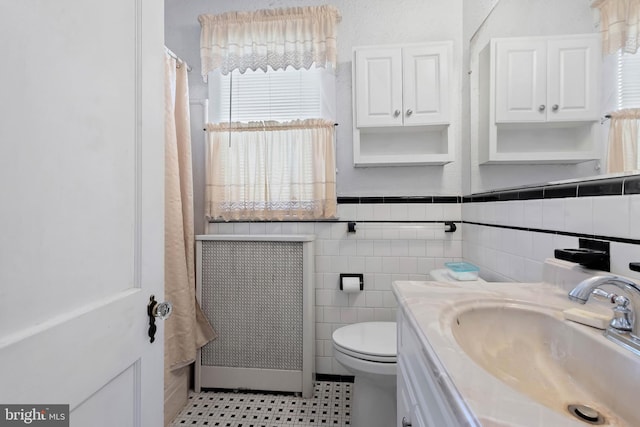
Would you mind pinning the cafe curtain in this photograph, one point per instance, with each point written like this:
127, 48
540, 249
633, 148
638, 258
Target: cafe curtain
624, 137
271, 170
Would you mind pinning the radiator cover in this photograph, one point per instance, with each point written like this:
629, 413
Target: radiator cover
253, 291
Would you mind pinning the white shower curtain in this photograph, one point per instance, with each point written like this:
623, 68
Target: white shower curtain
187, 329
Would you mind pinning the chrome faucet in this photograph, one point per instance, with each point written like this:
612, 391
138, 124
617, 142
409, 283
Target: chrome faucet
625, 325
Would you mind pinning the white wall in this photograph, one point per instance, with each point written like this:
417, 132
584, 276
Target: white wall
503, 254
512, 18
364, 22
382, 260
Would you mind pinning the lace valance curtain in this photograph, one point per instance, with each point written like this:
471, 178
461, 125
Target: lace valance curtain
619, 24
277, 38
271, 171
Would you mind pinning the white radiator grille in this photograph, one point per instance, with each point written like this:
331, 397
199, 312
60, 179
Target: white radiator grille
252, 293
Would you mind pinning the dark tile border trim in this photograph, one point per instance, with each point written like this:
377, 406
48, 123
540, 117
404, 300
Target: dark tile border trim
335, 378
346, 221
601, 188
247, 391
398, 199
561, 233
617, 186
319, 377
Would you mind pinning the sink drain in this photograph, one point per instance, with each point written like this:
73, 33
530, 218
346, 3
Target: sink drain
586, 414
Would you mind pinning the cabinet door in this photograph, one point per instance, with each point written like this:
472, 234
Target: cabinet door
405, 401
520, 80
426, 84
572, 79
378, 89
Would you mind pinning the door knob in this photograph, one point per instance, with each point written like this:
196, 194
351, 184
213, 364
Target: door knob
160, 310
542, 107
555, 107
409, 112
396, 113
405, 422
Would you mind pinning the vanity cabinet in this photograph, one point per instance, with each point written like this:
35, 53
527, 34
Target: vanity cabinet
402, 104
420, 399
538, 99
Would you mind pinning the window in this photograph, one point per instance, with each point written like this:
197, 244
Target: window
624, 127
620, 33
270, 147
627, 81
281, 95
271, 142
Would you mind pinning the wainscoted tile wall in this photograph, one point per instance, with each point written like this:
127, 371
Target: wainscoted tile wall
509, 234
383, 255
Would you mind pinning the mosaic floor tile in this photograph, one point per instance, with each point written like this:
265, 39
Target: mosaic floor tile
329, 406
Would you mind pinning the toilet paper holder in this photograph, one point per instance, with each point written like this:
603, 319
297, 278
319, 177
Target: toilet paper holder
360, 277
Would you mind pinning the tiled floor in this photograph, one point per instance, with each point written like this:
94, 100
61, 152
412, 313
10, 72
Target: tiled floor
330, 406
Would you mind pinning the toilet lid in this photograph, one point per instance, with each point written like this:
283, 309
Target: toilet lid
373, 340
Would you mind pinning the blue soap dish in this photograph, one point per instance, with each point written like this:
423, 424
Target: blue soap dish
462, 270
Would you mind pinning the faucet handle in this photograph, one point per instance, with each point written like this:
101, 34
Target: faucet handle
622, 315
620, 301
601, 295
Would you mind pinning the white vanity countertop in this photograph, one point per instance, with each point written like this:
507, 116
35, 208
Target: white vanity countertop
478, 394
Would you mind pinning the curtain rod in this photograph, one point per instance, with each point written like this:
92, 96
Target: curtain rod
177, 58
334, 125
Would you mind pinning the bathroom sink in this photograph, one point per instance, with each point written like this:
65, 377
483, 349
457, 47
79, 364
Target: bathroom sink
555, 362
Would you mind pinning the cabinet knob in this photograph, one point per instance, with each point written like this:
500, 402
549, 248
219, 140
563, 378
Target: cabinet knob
406, 422
396, 113
555, 107
541, 108
409, 112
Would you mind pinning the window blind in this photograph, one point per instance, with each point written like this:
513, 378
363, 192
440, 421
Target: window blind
628, 81
281, 95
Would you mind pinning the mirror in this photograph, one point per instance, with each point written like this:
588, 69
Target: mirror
487, 19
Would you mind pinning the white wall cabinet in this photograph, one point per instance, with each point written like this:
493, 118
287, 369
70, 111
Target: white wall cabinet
547, 80
538, 99
402, 86
401, 104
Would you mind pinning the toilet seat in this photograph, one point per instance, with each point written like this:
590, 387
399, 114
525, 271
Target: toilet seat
371, 341
368, 352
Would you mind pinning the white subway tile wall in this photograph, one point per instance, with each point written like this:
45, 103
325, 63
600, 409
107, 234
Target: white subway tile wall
386, 253
383, 254
634, 217
578, 215
506, 254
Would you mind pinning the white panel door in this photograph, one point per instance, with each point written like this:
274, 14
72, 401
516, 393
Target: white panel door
378, 89
81, 179
520, 80
572, 83
426, 84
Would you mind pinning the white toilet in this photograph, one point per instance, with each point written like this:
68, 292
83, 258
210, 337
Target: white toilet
368, 350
